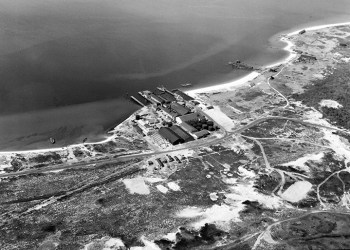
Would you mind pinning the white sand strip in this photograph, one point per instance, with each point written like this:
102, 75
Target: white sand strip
254, 74
317, 27
226, 85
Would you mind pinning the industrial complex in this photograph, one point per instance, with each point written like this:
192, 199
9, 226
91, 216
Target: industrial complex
172, 118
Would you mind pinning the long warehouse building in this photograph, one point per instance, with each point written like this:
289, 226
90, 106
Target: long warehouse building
175, 135
186, 137
170, 136
181, 110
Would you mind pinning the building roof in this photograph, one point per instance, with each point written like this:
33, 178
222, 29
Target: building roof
164, 99
188, 127
201, 133
170, 113
152, 120
160, 162
181, 133
181, 110
156, 98
157, 91
189, 117
306, 57
168, 97
170, 135
183, 95
138, 129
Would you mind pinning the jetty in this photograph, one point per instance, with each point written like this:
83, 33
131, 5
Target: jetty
240, 65
137, 101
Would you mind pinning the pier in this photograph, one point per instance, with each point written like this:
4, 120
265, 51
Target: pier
137, 101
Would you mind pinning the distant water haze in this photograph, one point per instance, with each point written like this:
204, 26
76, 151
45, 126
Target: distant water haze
66, 66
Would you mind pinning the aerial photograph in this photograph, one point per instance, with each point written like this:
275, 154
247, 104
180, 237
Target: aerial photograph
174, 124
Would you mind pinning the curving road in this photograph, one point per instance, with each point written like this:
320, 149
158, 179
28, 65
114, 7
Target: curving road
279, 93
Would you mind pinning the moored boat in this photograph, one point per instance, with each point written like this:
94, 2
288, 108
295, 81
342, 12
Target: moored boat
186, 84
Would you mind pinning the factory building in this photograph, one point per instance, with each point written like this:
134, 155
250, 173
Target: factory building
152, 121
167, 97
169, 135
164, 99
186, 137
138, 129
169, 113
201, 134
175, 135
187, 127
182, 95
181, 110
155, 99
188, 117
146, 128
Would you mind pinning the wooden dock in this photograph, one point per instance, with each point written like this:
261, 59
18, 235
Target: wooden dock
144, 97
137, 101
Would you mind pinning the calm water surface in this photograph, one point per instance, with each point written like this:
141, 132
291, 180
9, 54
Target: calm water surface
66, 66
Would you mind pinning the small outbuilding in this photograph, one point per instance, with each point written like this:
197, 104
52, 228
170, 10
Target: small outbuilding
188, 127
306, 58
201, 134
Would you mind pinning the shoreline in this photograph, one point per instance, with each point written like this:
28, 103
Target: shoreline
219, 87
254, 74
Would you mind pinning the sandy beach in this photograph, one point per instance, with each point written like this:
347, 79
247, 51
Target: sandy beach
230, 85
109, 138
227, 86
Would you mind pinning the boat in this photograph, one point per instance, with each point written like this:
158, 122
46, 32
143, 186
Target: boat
52, 140
186, 84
